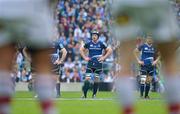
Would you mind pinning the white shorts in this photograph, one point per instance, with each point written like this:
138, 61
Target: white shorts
27, 21
150, 16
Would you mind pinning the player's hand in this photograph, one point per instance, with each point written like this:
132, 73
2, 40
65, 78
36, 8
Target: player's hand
154, 63
101, 59
87, 59
58, 62
141, 62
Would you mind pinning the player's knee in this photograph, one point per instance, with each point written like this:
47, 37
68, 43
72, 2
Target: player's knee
96, 78
148, 80
88, 76
87, 81
86, 84
143, 79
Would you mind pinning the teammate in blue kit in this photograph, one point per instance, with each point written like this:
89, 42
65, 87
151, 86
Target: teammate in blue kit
98, 52
57, 59
147, 61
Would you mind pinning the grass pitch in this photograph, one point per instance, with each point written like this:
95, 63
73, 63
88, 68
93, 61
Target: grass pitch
71, 103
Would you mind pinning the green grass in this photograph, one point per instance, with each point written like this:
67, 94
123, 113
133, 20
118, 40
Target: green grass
71, 104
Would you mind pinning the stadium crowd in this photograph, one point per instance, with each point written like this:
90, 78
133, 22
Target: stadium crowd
76, 19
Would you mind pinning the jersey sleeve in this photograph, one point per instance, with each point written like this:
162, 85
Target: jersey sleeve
59, 47
104, 45
140, 47
156, 52
86, 45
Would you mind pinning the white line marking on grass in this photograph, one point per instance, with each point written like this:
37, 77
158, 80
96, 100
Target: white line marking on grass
68, 99
81, 99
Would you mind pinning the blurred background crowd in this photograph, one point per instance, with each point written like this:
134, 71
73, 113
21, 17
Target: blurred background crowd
75, 21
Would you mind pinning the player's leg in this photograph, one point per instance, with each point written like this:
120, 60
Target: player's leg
86, 87
148, 86
58, 87
96, 84
57, 79
6, 84
142, 81
149, 74
87, 83
172, 76
124, 84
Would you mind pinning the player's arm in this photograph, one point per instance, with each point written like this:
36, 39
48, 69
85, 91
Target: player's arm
136, 53
108, 52
26, 54
83, 50
157, 59
64, 53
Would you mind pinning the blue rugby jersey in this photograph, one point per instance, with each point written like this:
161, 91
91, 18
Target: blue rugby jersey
95, 51
56, 52
147, 53
95, 48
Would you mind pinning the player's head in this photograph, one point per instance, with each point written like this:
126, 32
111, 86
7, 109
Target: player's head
149, 40
95, 36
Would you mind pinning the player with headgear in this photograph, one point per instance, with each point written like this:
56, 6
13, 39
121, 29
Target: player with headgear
95, 60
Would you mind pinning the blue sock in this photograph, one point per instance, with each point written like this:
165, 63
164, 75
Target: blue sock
147, 90
142, 89
58, 89
95, 88
86, 87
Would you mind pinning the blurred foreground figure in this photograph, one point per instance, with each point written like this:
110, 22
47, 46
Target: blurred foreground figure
150, 16
28, 22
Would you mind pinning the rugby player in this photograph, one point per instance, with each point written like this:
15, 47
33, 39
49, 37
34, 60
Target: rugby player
147, 62
58, 58
95, 61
